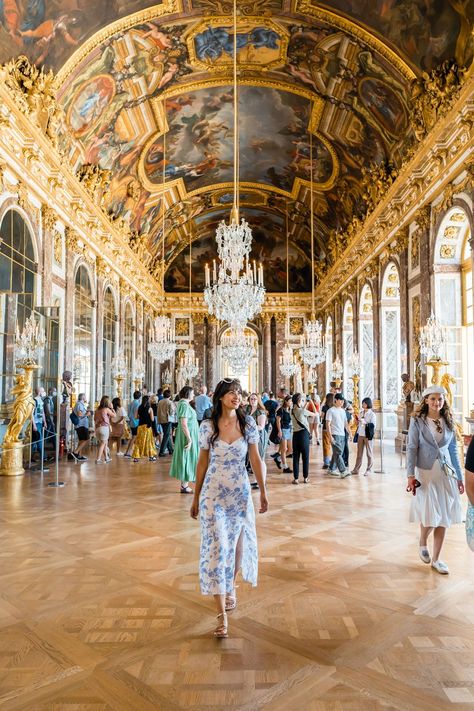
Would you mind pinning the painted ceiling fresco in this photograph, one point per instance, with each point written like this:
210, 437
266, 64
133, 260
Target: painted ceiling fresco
147, 93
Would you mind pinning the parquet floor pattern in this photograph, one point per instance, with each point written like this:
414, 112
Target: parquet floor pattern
100, 606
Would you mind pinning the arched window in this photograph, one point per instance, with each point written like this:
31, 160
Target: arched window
149, 360
390, 356
366, 343
452, 294
347, 347
18, 271
83, 333
128, 332
328, 351
109, 326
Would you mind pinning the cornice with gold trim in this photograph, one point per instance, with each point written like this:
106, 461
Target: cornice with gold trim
300, 303
435, 167
56, 186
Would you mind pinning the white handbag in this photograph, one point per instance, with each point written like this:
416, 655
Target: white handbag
470, 526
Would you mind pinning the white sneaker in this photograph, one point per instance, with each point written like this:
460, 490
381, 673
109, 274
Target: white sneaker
120, 454
440, 567
344, 474
334, 472
99, 461
425, 554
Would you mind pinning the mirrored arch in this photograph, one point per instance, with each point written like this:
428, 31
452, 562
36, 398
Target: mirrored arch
366, 343
83, 332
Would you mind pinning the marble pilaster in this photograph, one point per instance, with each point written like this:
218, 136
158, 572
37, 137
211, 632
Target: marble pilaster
267, 352
211, 374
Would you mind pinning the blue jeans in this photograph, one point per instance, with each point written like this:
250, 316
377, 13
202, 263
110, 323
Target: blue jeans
337, 461
36, 437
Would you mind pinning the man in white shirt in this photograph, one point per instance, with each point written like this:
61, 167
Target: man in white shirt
202, 402
336, 423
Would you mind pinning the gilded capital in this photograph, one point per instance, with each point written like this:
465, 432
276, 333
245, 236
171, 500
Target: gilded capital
423, 217
101, 267
48, 216
72, 239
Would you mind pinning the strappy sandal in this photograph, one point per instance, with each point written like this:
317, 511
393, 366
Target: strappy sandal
221, 630
231, 600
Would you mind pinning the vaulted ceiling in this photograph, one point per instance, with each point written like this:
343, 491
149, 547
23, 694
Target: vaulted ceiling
147, 91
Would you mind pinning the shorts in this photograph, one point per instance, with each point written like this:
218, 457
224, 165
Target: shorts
102, 433
134, 431
82, 434
286, 434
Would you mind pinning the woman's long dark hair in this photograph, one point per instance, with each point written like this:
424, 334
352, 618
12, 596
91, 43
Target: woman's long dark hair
116, 403
222, 388
446, 413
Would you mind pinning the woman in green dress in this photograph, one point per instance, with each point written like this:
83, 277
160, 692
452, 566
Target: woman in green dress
186, 443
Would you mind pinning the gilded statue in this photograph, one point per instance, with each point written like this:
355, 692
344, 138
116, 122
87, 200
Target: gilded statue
446, 381
95, 179
376, 180
433, 94
22, 408
33, 92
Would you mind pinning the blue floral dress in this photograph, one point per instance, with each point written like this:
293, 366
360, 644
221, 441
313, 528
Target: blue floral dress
226, 512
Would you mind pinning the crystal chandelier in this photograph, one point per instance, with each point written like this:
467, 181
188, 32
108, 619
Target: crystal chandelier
237, 292
313, 349
337, 369
432, 339
139, 370
237, 349
189, 366
288, 365
164, 346
118, 365
29, 343
354, 363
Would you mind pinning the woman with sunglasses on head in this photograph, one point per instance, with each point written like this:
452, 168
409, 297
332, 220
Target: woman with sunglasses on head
223, 500
434, 473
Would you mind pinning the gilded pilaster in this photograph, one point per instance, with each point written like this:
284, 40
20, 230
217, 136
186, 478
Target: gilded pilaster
267, 351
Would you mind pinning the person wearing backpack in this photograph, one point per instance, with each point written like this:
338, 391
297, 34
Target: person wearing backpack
80, 420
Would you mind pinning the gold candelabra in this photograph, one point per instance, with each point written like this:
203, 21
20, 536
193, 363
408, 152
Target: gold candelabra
436, 364
28, 344
119, 380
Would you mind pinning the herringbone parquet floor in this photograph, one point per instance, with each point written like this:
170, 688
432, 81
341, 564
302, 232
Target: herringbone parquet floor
100, 605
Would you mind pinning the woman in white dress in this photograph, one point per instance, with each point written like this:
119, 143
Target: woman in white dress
434, 473
223, 500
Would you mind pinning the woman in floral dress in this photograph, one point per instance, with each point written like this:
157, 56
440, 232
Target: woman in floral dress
222, 498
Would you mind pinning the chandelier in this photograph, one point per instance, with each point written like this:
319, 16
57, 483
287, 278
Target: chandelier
237, 292
288, 365
118, 365
238, 350
355, 364
432, 339
189, 366
164, 346
337, 369
30, 342
313, 349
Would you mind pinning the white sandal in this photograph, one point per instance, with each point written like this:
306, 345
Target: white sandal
221, 630
231, 600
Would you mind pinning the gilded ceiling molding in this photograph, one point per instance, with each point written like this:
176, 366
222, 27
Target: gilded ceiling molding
168, 7
443, 155
351, 27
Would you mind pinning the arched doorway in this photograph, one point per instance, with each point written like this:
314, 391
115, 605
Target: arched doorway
109, 338
453, 303
366, 343
128, 331
250, 378
347, 347
18, 270
391, 355
83, 333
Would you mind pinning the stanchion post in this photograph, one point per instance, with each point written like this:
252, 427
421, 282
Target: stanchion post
381, 470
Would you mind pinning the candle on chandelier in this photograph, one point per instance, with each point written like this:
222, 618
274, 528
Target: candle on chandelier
207, 275
214, 271
254, 271
260, 275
